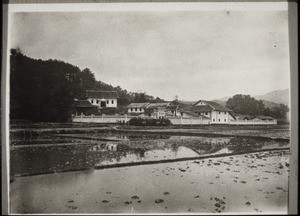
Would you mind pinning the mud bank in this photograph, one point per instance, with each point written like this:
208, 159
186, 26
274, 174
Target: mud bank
249, 183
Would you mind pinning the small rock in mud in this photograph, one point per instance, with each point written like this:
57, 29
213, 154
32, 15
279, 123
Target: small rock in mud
218, 205
182, 170
248, 203
243, 182
257, 210
108, 192
196, 196
280, 166
166, 193
105, 201
216, 164
134, 197
70, 201
139, 201
159, 200
127, 202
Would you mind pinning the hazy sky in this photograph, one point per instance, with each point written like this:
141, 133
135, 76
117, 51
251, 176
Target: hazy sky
192, 54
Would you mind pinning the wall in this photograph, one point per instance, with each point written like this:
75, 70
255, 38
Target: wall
139, 110
109, 104
253, 122
188, 121
102, 119
223, 116
125, 118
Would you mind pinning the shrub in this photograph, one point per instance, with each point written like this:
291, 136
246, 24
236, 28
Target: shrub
149, 122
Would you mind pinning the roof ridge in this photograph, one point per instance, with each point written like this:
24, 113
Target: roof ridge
101, 91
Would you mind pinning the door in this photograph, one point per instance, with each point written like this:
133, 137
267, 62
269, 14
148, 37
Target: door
103, 104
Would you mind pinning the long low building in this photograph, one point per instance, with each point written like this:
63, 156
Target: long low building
201, 113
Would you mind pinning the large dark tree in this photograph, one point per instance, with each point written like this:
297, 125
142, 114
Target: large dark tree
41, 90
45, 90
245, 104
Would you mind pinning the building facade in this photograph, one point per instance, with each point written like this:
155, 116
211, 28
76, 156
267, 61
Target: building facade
103, 99
217, 113
137, 109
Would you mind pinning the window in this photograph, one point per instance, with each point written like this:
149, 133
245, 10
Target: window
92, 101
224, 120
97, 101
219, 120
225, 113
205, 113
140, 109
213, 119
131, 109
112, 101
219, 112
107, 101
135, 109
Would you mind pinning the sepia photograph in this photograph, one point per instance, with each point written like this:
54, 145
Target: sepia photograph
149, 108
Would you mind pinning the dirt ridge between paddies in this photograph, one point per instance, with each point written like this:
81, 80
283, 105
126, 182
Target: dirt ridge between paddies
107, 166
36, 132
120, 165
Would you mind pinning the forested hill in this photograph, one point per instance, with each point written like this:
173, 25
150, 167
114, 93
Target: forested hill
44, 90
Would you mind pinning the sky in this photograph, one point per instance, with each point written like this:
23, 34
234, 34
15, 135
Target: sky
192, 54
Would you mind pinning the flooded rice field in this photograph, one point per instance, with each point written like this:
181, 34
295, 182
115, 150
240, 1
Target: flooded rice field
175, 174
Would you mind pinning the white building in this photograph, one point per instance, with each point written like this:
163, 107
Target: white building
217, 113
102, 99
138, 109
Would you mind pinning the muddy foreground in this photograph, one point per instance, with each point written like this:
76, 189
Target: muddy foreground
247, 183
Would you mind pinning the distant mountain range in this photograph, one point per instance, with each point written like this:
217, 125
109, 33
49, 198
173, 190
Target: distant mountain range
278, 96
270, 99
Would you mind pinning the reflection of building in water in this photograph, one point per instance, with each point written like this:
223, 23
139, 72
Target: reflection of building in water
215, 140
105, 147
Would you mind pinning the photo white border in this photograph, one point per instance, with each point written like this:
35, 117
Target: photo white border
8, 9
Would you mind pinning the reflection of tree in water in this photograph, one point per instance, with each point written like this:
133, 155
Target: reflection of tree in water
174, 147
244, 144
147, 136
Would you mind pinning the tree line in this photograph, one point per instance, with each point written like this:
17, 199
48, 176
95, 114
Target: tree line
44, 90
247, 105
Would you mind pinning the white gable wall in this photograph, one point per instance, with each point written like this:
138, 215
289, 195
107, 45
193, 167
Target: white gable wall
109, 102
136, 110
219, 117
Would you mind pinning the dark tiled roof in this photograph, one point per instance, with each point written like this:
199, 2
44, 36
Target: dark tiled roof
155, 105
83, 103
138, 105
101, 94
264, 117
188, 112
215, 105
172, 107
193, 114
197, 109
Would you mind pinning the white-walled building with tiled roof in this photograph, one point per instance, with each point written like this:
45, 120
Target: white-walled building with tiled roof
217, 113
102, 99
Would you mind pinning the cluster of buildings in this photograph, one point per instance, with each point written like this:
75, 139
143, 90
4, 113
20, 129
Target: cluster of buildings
214, 113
